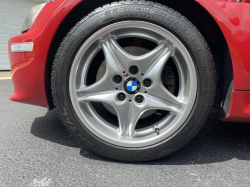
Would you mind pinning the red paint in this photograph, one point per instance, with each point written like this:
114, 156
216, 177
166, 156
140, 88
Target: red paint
240, 107
28, 69
234, 21
247, 1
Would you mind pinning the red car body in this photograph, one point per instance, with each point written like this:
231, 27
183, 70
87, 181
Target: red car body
29, 69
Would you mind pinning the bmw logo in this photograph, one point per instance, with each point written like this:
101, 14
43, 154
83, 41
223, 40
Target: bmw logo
132, 85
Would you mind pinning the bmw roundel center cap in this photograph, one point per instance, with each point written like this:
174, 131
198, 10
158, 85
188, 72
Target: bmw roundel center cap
132, 85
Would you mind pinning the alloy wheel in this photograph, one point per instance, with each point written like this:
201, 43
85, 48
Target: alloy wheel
132, 85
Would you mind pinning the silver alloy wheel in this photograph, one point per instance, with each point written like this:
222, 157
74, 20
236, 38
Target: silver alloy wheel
150, 67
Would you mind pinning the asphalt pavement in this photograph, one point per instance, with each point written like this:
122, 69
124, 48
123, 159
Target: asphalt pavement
36, 150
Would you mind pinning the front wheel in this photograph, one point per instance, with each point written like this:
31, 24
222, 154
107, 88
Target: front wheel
133, 82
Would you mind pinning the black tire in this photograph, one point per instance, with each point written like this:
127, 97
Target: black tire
159, 15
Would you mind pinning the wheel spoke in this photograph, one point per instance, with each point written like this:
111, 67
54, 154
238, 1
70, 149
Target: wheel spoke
105, 84
123, 113
152, 102
163, 54
160, 92
108, 97
130, 113
144, 62
157, 89
128, 116
112, 63
156, 58
112, 68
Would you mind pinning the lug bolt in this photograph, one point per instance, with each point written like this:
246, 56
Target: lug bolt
147, 82
133, 70
121, 96
139, 98
117, 79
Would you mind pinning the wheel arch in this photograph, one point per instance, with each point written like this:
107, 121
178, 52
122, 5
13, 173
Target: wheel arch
190, 9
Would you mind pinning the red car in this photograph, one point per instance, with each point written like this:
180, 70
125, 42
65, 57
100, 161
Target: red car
135, 80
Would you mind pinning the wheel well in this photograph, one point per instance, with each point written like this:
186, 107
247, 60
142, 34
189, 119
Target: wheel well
190, 9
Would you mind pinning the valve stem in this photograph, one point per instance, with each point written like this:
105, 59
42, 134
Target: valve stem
157, 131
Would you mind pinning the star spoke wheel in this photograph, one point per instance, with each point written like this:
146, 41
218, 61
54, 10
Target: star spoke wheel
129, 99
130, 88
130, 85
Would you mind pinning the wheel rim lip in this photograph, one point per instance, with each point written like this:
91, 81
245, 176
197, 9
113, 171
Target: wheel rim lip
89, 118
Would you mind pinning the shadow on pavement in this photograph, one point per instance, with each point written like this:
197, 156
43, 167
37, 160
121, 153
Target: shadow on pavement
49, 127
217, 142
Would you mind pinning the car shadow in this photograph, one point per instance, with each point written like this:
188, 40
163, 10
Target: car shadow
50, 127
217, 142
